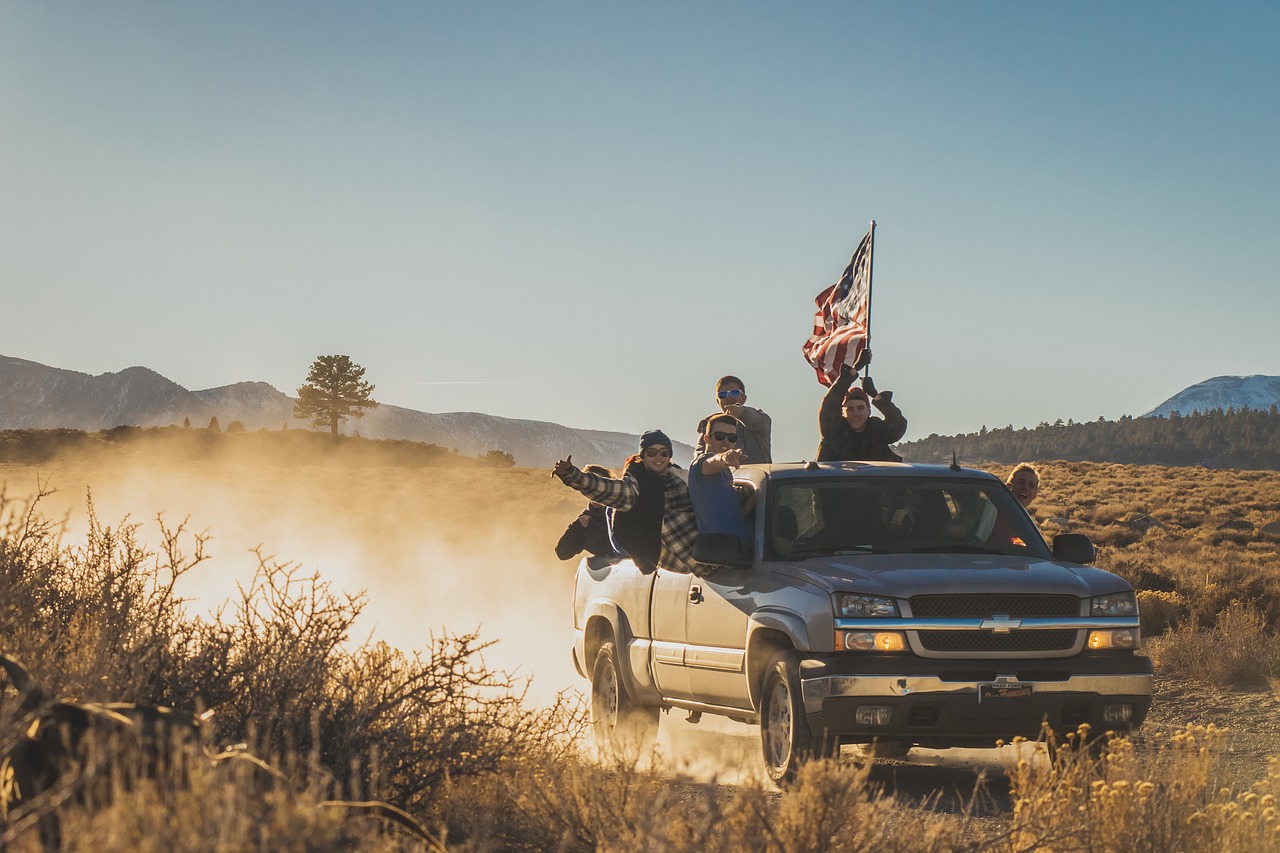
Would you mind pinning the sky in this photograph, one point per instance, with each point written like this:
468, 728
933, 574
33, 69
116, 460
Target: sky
587, 212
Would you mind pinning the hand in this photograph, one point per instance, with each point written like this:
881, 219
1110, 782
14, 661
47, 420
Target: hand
564, 468
734, 408
869, 386
864, 359
733, 458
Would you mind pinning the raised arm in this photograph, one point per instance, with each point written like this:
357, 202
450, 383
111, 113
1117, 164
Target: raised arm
895, 423
830, 416
619, 494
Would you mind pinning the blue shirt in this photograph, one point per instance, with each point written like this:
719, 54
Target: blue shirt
715, 503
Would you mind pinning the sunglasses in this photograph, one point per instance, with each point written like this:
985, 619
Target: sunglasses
731, 437
735, 393
654, 452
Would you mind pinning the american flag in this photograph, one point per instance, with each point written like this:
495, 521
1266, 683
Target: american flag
840, 325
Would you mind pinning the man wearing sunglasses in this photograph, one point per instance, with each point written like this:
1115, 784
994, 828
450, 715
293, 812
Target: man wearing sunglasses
756, 428
716, 505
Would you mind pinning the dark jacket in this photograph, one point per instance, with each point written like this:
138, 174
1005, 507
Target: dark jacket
593, 537
841, 443
637, 531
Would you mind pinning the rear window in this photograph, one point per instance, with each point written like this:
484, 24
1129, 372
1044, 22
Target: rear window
899, 515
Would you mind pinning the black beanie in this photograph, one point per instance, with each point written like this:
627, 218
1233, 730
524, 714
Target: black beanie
652, 437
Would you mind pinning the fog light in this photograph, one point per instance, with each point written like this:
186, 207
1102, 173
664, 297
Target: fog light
1117, 713
871, 641
1123, 638
873, 715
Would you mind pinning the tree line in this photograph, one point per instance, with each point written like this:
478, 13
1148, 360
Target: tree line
1231, 438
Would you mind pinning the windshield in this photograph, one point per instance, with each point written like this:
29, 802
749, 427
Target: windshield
898, 515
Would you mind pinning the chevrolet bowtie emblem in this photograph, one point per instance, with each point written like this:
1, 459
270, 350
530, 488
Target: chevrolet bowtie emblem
1000, 624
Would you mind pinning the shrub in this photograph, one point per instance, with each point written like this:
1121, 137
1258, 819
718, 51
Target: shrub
1238, 651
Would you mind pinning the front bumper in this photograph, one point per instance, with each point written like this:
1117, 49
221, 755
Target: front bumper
936, 703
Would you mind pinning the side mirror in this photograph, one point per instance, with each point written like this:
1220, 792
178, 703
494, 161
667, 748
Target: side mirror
1074, 548
721, 549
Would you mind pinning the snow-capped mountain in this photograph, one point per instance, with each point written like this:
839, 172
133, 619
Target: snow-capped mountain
1222, 392
35, 396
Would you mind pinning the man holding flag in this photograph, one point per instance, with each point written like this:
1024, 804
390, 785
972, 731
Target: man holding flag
836, 350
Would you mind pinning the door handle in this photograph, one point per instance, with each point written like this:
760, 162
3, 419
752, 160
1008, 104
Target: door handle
695, 593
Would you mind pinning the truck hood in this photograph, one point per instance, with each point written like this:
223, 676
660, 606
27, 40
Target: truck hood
904, 575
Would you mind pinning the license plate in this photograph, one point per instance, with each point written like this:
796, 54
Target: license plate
1003, 690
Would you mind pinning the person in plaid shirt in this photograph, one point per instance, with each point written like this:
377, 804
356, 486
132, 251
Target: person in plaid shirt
652, 519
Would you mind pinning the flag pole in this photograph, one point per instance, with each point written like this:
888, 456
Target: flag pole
871, 257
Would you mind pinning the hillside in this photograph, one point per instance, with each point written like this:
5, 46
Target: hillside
35, 396
1215, 439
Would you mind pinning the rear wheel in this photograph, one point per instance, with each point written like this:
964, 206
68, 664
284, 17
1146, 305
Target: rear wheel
623, 728
785, 737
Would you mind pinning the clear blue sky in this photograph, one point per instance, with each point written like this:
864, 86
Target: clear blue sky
586, 212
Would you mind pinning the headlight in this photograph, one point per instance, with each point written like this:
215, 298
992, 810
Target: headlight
1119, 604
861, 606
1121, 638
871, 641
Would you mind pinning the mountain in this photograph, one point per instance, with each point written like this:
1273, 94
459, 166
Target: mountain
35, 396
1223, 392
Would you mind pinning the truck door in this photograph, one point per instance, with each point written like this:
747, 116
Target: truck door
719, 607
716, 623
667, 609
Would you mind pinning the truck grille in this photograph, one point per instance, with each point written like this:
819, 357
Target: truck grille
985, 641
981, 606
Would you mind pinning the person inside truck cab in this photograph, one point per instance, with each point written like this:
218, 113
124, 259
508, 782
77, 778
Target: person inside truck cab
717, 506
849, 430
651, 519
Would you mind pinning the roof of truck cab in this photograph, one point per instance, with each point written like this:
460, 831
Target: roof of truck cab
789, 470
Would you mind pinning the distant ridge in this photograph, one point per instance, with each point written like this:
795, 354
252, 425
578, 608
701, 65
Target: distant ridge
1255, 392
36, 396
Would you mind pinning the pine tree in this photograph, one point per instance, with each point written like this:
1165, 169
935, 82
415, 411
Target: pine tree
335, 390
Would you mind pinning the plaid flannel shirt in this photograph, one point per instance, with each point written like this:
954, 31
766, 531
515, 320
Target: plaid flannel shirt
679, 528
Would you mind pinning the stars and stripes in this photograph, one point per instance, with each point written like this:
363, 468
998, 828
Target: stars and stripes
840, 326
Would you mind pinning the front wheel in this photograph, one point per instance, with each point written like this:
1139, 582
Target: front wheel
623, 728
784, 729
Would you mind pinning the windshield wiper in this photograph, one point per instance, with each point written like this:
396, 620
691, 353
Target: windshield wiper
828, 551
955, 548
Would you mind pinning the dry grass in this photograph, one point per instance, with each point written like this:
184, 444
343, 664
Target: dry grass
95, 610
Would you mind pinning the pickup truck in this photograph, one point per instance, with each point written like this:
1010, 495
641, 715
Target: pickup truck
891, 604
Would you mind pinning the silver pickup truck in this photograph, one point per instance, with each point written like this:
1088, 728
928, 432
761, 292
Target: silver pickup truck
900, 605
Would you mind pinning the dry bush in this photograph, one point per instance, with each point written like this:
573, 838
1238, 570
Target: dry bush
1160, 610
197, 805
1160, 801
100, 622
1238, 651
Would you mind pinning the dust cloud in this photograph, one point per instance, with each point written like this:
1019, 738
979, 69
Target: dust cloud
434, 550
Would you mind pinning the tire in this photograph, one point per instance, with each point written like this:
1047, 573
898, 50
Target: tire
785, 737
623, 728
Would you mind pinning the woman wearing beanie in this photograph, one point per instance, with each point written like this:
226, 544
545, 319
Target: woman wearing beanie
651, 518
